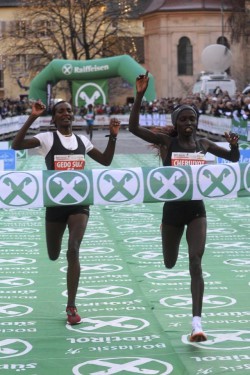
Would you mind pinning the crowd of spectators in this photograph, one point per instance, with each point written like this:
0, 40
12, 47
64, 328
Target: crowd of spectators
222, 105
218, 104
14, 107
101, 109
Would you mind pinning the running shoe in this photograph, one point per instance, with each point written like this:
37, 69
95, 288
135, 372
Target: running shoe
197, 335
72, 316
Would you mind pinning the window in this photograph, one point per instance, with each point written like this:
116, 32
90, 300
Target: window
185, 57
1, 79
2, 28
19, 28
18, 65
42, 28
125, 8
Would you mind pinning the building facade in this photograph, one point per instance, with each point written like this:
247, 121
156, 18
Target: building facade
175, 34
34, 32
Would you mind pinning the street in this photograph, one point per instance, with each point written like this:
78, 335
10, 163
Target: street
126, 143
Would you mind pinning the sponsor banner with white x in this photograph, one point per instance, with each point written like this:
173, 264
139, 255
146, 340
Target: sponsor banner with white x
126, 186
136, 314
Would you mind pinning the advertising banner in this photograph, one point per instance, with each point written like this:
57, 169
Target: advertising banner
132, 185
240, 127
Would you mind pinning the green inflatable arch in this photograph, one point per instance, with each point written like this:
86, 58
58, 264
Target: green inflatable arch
72, 70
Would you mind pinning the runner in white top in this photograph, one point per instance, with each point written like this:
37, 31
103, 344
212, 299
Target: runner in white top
46, 141
63, 148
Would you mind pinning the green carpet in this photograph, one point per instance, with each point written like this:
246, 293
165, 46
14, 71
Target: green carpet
136, 314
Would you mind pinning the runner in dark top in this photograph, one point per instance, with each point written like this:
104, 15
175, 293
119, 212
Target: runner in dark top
177, 215
64, 150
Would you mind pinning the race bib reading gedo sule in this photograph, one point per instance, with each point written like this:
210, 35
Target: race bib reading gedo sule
69, 162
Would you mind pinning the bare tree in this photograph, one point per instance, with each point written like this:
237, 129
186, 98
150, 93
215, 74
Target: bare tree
238, 23
73, 29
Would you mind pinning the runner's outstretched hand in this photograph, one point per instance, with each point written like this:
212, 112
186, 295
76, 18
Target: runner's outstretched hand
142, 83
114, 126
232, 138
38, 108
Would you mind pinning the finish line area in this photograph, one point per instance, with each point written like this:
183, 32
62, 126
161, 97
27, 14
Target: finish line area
136, 314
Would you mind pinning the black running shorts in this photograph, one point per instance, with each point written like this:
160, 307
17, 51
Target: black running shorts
182, 212
61, 213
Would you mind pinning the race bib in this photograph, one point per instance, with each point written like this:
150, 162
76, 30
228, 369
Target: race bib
69, 162
187, 158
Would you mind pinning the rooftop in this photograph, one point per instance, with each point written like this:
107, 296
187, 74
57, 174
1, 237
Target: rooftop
184, 5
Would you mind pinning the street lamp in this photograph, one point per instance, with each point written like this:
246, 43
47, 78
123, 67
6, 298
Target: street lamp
2, 67
222, 18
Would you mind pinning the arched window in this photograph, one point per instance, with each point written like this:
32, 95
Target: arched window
185, 57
